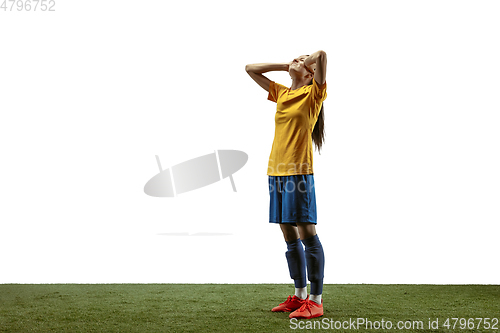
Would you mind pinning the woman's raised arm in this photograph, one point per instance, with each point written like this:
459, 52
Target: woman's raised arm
255, 71
318, 58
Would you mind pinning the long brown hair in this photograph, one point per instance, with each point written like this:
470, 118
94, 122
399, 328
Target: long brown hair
318, 134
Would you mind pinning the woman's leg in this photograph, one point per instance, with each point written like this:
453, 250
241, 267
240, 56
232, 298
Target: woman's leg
315, 259
306, 229
290, 232
296, 259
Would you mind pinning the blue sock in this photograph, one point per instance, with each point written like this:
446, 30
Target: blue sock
296, 263
315, 259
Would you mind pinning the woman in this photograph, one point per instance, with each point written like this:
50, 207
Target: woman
299, 122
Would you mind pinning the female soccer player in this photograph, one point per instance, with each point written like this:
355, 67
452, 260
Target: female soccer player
299, 121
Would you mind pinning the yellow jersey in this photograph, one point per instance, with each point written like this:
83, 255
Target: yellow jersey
296, 114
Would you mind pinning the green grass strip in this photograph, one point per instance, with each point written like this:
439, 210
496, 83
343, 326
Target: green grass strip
233, 308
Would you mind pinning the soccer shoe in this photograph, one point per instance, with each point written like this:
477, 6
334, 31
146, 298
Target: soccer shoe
291, 304
308, 310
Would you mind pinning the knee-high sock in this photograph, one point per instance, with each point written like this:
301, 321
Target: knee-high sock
296, 263
315, 259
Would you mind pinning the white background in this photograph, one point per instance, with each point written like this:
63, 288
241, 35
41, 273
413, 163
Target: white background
407, 182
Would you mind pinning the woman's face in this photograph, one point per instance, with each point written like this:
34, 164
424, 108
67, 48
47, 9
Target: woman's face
298, 68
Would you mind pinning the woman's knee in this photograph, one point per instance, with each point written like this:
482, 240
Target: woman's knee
290, 232
306, 229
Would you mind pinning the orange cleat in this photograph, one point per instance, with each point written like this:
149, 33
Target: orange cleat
291, 304
308, 310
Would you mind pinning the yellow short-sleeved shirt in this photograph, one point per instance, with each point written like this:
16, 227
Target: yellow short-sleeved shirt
296, 115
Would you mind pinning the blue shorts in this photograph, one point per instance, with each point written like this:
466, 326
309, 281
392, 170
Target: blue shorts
293, 199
